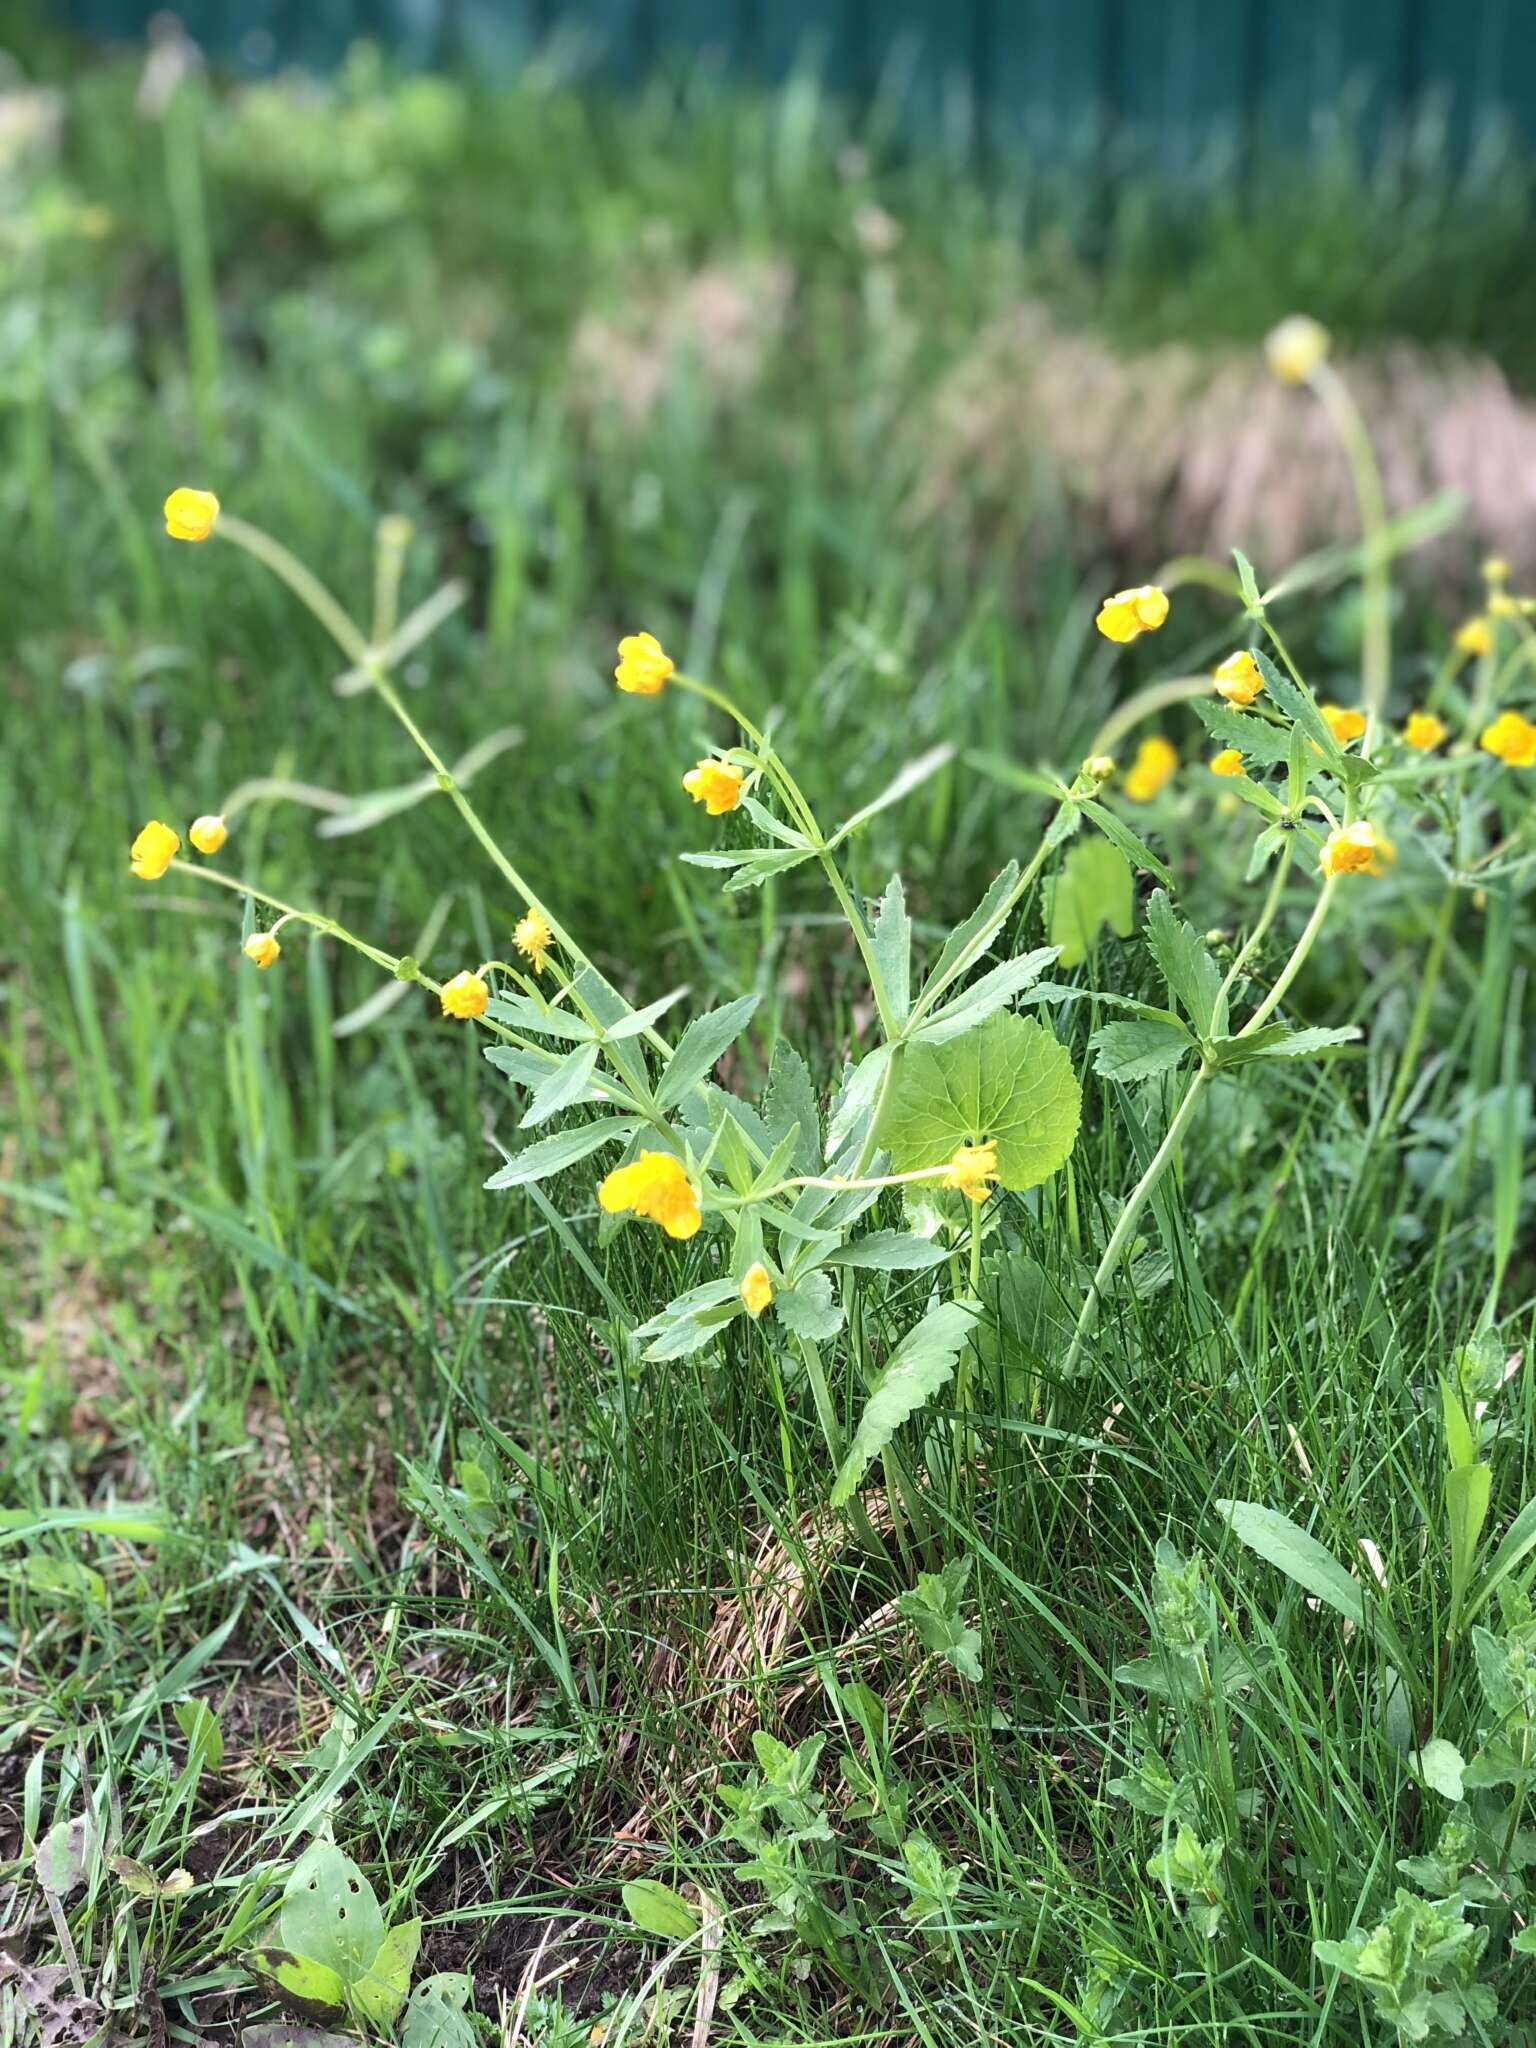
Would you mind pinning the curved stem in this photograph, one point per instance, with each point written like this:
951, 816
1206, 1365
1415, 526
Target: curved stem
1297, 961
1376, 579
1266, 918
1126, 1222
1144, 703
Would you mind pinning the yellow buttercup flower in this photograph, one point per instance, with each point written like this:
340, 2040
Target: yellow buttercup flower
532, 938
973, 1170
189, 514
1512, 738
1228, 762
208, 834
1474, 636
1355, 850
465, 996
1423, 731
756, 1289
643, 665
153, 851
657, 1187
1155, 763
1294, 349
261, 949
716, 785
1130, 613
1344, 725
1239, 679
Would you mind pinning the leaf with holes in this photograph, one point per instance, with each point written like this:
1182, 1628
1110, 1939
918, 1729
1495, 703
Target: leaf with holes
329, 1913
436, 2017
1006, 1080
379, 1994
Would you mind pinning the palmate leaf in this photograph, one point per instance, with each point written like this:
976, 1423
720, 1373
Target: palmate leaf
538, 1161
1007, 1080
922, 1362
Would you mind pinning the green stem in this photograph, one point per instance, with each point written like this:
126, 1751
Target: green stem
1129, 1216
1376, 579
1266, 917
1297, 961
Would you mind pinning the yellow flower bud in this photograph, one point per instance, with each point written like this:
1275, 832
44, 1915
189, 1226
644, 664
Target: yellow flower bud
1099, 766
532, 938
465, 996
1155, 763
1423, 731
1130, 613
1510, 738
1239, 679
153, 851
189, 514
1501, 605
1495, 570
1474, 636
716, 785
643, 666
1355, 850
208, 834
1294, 349
261, 949
655, 1186
1344, 725
1228, 762
756, 1289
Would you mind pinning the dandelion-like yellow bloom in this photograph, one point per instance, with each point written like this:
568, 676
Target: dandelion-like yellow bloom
1155, 764
973, 1170
153, 851
1423, 731
643, 665
189, 514
532, 938
1344, 725
756, 1289
657, 1187
1512, 738
1239, 679
1355, 850
1294, 349
1130, 613
716, 785
465, 996
261, 949
1228, 762
208, 834
1474, 636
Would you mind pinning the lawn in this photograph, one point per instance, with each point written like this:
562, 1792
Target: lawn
530, 1445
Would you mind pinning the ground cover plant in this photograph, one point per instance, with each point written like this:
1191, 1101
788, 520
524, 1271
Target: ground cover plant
825, 1339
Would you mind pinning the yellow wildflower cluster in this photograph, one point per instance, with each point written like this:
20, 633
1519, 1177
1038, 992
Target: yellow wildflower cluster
189, 514
1130, 613
532, 938
1296, 347
465, 996
1355, 850
756, 1289
643, 665
657, 1187
1510, 738
1239, 679
716, 785
1155, 765
973, 1170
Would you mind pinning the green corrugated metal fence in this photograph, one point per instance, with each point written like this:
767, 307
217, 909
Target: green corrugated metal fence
1179, 69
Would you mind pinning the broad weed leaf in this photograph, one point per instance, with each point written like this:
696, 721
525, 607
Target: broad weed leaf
329, 1913
1007, 1080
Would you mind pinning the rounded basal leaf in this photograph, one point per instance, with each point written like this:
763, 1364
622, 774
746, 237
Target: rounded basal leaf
1007, 1080
329, 1913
